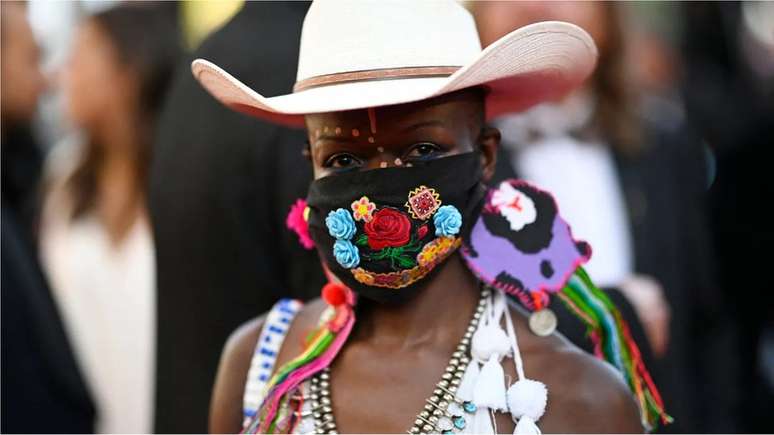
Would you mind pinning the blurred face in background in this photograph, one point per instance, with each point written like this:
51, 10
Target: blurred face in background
498, 18
99, 89
22, 81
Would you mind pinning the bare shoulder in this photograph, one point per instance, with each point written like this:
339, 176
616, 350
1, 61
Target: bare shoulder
228, 391
306, 320
590, 396
585, 394
226, 401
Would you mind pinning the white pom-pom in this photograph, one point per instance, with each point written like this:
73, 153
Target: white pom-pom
526, 426
469, 379
527, 398
488, 341
490, 387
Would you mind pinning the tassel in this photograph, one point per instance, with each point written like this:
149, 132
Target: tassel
465, 390
489, 345
526, 426
490, 387
482, 421
320, 349
613, 343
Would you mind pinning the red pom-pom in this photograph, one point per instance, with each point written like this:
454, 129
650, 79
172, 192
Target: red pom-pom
334, 294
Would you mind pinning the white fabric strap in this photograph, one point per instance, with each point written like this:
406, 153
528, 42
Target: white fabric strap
514, 343
273, 333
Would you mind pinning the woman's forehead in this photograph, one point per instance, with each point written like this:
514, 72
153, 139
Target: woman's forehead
450, 109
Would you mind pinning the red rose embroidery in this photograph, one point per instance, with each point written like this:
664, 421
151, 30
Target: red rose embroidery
388, 228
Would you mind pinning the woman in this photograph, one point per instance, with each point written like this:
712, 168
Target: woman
96, 244
588, 129
394, 96
631, 151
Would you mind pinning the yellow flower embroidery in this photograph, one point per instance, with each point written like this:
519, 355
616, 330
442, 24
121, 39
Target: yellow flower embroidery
428, 254
362, 209
444, 243
364, 277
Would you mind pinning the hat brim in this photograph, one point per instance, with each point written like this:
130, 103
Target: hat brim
536, 63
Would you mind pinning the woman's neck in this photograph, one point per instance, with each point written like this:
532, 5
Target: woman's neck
432, 315
119, 193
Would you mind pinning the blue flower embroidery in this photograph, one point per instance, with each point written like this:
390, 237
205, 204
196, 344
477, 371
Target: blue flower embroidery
346, 254
447, 220
340, 224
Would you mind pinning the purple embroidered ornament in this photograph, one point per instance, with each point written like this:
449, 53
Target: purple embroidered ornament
521, 245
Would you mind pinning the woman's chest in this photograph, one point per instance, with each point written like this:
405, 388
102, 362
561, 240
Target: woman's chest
398, 393
389, 395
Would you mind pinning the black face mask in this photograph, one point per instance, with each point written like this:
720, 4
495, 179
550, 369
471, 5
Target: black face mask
383, 232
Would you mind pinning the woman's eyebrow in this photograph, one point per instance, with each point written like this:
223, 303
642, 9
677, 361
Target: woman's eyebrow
334, 145
337, 138
431, 123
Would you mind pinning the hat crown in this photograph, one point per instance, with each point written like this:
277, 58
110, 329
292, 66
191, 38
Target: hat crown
360, 35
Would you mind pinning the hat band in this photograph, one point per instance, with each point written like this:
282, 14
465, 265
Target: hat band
374, 74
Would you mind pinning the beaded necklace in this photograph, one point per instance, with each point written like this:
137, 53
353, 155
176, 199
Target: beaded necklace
443, 412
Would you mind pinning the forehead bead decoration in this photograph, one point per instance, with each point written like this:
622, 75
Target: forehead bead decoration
372, 122
355, 132
337, 130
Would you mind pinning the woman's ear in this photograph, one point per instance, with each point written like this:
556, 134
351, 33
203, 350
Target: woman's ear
306, 152
489, 141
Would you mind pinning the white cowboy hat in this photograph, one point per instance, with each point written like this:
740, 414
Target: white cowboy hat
365, 53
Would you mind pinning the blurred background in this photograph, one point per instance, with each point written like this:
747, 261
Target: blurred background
142, 222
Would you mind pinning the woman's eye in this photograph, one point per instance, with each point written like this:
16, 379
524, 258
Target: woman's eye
342, 161
423, 150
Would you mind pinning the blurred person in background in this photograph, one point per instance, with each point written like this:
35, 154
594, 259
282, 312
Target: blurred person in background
40, 376
221, 185
636, 189
728, 86
96, 243
23, 84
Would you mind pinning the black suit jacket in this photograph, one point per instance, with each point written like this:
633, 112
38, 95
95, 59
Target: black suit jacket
665, 188
221, 184
42, 388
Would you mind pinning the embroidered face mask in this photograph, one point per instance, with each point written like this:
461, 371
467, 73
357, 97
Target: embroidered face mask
382, 232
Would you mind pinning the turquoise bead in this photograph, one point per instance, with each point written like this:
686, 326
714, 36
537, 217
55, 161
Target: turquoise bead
469, 407
459, 422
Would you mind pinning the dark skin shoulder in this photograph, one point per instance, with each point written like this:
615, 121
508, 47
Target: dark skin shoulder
396, 354
226, 401
585, 394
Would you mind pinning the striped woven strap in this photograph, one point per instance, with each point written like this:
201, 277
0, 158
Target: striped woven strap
275, 328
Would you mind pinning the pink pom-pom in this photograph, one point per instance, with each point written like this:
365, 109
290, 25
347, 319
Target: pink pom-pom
297, 221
